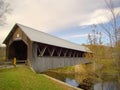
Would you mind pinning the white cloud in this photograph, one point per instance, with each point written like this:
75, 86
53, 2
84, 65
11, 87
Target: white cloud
50, 15
99, 16
47, 15
78, 35
81, 35
75, 36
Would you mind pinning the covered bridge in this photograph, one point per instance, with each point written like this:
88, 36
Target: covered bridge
41, 50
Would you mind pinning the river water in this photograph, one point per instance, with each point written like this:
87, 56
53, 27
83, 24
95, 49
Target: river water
97, 86
106, 86
72, 79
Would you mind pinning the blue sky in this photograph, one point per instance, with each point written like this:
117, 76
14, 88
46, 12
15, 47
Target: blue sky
67, 19
79, 34
74, 34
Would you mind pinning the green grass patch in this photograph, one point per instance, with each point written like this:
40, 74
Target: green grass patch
67, 69
22, 78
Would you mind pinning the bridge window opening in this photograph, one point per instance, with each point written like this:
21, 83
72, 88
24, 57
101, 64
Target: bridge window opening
41, 49
76, 55
56, 52
18, 49
46, 53
72, 53
62, 55
81, 54
47, 50
51, 50
67, 54
38, 52
62, 52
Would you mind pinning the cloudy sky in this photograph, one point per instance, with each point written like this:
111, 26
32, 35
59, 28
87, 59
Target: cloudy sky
67, 19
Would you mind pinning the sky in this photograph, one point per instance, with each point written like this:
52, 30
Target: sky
68, 19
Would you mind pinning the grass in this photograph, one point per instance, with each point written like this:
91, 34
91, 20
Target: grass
22, 78
67, 69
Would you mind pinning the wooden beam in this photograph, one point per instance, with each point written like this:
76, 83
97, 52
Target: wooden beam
77, 54
59, 52
40, 48
65, 53
70, 53
39, 51
43, 51
51, 52
74, 54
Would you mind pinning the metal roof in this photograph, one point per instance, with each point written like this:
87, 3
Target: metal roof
41, 37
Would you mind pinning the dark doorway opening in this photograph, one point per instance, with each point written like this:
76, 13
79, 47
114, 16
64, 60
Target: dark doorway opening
18, 49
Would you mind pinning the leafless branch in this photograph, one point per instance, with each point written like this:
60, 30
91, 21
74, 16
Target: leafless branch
4, 10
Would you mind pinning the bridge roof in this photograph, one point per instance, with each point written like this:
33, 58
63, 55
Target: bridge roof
41, 37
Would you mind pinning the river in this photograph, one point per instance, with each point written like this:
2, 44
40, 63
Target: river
72, 79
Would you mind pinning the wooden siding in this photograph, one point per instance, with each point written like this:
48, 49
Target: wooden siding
41, 64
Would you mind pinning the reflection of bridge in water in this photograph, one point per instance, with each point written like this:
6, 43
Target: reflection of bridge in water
42, 51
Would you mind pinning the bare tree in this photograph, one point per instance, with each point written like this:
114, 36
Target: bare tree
96, 37
95, 45
4, 10
111, 29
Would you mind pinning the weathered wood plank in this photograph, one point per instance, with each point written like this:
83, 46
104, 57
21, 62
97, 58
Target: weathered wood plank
44, 63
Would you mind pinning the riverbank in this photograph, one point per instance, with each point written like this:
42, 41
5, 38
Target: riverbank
22, 78
82, 76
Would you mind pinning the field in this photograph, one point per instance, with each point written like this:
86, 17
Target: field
22, 78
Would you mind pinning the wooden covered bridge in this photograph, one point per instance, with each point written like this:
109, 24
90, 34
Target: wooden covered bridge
41, 50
